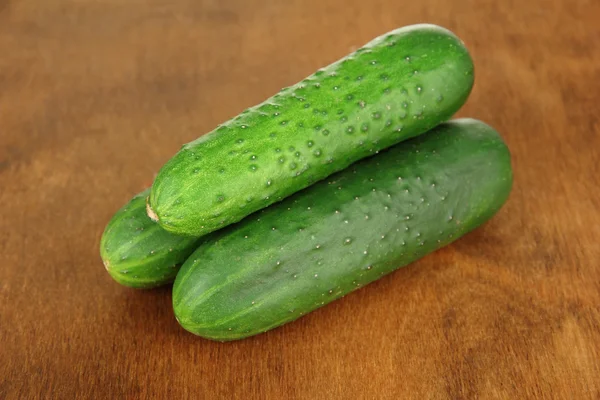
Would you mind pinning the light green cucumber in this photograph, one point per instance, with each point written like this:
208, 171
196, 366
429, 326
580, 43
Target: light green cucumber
318, 245
397, 86
137, 252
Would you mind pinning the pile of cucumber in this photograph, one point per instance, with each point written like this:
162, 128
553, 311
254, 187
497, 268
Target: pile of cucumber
323, 188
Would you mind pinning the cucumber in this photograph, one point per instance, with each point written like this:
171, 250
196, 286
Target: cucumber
316, 246
137, 252
396, 87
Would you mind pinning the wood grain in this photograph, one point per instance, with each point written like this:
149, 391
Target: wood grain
96, 95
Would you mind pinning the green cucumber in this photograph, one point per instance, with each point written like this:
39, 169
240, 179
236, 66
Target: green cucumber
342, 233
137, 252
396, 87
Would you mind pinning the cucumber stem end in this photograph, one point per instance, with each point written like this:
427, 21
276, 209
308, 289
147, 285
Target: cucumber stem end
150, 211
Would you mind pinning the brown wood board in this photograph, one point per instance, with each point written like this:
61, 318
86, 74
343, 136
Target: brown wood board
96, 95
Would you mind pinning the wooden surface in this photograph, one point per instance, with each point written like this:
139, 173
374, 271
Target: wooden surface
96, 95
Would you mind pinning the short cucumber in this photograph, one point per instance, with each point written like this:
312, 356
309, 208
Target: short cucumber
342, 233
396, 87
137, 252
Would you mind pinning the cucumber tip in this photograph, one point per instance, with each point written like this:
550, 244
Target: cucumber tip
151, 214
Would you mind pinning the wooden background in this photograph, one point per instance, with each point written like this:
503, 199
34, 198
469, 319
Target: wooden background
96, 95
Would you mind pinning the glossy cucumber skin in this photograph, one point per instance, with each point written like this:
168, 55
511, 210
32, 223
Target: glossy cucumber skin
137, 252
396, 87
316, 246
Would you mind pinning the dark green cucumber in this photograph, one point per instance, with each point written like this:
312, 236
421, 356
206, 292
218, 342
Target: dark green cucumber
342, 233
396, 87
137, 252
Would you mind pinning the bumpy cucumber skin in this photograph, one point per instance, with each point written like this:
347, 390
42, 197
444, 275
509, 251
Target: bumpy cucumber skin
137, 252
396, 87
316, 246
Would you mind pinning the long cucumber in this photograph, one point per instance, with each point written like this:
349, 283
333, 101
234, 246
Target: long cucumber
396, 87
318, 245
